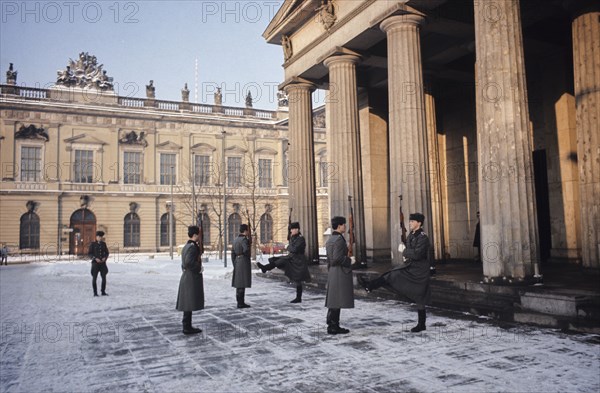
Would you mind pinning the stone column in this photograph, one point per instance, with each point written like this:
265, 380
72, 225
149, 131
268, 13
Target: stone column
344, 155
509, 235
301, 167
409, 165
435, 176
586, 67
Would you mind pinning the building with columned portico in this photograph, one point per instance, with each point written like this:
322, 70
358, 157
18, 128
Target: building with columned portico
459, 107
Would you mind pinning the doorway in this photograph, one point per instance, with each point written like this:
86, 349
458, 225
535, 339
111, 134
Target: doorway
83, 223
542, 199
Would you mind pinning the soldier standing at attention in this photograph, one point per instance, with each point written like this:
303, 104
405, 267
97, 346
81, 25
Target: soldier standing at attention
340, 289
99, 254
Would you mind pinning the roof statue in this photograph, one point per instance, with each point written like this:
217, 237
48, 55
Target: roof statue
84, 73
218, 97
150, 90
11, 75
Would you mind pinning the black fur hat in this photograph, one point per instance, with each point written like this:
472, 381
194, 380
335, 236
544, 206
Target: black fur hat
417, 217
295, 225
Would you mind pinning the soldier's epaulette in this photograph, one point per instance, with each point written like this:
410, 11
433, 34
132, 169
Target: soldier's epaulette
423, 233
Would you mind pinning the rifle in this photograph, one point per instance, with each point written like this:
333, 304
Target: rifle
289, 225
403, 236
350, 228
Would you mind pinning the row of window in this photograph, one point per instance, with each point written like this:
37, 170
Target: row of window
29, 235
83, 169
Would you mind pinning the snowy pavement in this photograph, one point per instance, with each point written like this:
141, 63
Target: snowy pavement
56, 337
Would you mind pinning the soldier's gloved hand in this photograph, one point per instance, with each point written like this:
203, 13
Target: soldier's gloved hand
404, 259
401, 247
353, 259
201, 269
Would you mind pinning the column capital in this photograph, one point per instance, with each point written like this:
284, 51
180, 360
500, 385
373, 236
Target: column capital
401, 20
344, 59
297, 83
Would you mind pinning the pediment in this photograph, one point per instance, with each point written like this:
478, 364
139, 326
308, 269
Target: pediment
290, 16
236, 149
168, 145
266, 151
203, 147
85, 139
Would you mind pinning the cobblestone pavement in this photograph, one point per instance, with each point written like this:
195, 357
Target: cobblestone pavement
56, 337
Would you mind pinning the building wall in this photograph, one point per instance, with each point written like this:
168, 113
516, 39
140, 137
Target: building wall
75, 125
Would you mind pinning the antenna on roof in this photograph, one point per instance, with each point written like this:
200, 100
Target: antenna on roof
196, 82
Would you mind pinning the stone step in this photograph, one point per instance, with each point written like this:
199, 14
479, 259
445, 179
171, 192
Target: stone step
532, 305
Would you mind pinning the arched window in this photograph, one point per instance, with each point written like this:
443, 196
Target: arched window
29, 235
131, 230
266, 228
235, 220
205, 228
164, 231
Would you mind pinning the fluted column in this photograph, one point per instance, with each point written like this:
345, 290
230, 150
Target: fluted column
409, 165
509, 235
346, 179
435, 176
586, 67
301, 166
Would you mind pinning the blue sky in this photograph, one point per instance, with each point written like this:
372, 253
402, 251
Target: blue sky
142, 40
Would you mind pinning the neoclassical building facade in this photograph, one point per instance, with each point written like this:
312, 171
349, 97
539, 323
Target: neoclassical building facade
452, 108
77, 158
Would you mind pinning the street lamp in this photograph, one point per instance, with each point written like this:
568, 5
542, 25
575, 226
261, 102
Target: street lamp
224, 200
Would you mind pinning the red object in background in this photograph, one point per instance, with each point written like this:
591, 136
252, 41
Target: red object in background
276, 247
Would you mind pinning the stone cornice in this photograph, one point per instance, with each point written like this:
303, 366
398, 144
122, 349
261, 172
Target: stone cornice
327, 34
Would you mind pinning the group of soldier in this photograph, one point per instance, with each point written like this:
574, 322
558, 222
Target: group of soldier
410, 279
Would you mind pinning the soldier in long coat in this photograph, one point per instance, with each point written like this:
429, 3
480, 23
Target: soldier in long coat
242, 275
294, 264
99, 254
412, 278
191, 285
340, 289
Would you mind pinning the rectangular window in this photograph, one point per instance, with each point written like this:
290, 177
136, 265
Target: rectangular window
31, 164
202, 170
265, 180
84, 166
167, 169
324, 174
132, 167
234, 171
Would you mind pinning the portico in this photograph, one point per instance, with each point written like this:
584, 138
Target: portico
458, 107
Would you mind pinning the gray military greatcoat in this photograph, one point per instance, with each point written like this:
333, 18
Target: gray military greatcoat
340, 289
242, 274
412, 278
191, 284
294, 264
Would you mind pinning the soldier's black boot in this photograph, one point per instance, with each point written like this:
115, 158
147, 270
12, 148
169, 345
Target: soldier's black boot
95, 287
187, 324
298, 298
240, 294
333, 322
370, 286
421, 324
103, 286
265, 268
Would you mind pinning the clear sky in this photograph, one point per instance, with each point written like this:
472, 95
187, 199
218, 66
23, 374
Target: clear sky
142, 40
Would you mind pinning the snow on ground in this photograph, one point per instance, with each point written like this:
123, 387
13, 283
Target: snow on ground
55, 336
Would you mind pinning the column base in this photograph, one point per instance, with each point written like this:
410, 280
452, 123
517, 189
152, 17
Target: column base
514, 281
